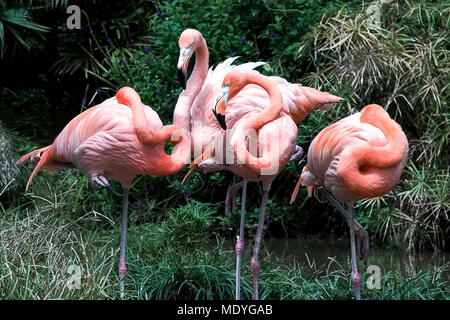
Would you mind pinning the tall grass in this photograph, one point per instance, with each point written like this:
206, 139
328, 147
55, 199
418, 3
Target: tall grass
43, 248
8, 168
172, 254
39, 247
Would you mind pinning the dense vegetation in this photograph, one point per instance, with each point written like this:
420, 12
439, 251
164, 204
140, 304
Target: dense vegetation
49, 74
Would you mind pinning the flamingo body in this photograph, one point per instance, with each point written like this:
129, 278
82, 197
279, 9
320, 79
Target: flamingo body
203, 124
277, 151
361, 156
336, 156
194, 105
103, 141
297, 102
249, 107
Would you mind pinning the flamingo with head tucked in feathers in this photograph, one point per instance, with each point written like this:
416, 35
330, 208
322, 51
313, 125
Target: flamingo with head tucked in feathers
361, 156
193, 112
117, 139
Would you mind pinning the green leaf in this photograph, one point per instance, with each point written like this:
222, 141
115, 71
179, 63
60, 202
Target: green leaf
2, 39
21, 18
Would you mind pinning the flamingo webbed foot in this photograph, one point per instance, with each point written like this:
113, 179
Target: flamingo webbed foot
34, 159
362, 244
101, 180
230, 199
297, 154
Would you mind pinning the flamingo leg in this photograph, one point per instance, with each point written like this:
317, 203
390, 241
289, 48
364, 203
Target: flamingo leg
240, 241
348, 214
258, 238
361, 235
230, 199
356, 278
123, 242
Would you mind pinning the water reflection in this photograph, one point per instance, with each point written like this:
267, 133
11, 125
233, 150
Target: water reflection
318, 251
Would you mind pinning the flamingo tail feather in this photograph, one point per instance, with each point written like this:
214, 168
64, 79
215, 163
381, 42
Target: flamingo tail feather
294, 193
44, 159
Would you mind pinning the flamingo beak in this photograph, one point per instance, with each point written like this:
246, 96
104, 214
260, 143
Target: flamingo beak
220, 106
183, 62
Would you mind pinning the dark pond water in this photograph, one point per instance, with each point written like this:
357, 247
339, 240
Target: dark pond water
319, 252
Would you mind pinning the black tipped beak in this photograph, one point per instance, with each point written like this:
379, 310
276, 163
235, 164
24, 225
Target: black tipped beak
182, 78
221, 119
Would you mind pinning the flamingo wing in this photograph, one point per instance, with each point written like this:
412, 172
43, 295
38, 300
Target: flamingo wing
95, 140
298, 101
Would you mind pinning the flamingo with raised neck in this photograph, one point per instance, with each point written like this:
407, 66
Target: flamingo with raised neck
193, 109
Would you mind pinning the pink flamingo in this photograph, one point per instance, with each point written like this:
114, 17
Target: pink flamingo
261, 143
193, 111
193, 108
264, 123
117, 139
360, 156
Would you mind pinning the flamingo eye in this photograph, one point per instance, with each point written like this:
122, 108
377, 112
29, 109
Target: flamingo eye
228, 83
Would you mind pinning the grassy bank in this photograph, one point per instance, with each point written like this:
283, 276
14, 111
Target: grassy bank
43, 250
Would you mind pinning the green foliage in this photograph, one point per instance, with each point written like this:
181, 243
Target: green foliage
174, 259
184, 228
125, 25
23, 111
17, 28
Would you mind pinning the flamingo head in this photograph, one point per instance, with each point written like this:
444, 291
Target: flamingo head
233, 82
188, 43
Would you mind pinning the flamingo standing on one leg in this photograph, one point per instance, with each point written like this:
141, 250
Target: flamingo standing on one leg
193, 109
117, 139
360, 156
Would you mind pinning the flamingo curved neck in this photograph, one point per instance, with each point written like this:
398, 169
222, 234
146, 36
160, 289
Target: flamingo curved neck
372, 171
171, 164
166, 164
182, 114
276, 102
394, 151
257, 121
145, 134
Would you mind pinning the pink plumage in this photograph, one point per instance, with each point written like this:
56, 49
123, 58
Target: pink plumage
272, 107
117, 139
103, 141
361, 136
361, 156
193, 111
